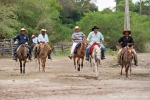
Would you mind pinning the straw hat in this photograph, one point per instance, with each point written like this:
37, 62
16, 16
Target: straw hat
23, 29
32, 36
126, 31
43, 30
77, 27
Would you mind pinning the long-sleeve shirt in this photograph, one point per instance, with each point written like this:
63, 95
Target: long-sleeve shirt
124, 41
22, 38
78, 35
35, 40
92, 37
43, 38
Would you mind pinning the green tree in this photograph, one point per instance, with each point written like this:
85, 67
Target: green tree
111, 26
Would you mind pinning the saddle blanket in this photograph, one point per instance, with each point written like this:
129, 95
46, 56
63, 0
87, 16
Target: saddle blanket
92, 47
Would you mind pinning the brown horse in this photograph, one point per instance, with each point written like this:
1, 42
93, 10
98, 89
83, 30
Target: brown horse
42, 55
126, 60
80, 53
22, 55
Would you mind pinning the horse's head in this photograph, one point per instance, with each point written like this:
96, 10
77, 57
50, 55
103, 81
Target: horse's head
97, 51
84, 42
24, 50
42, 48
129, 53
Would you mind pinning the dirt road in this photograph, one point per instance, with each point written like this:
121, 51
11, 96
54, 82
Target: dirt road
62, 82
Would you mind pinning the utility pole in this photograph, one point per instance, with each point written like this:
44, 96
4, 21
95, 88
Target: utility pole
126, 16
140, 7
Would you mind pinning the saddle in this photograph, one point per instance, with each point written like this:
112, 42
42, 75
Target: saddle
91, 48
75, 50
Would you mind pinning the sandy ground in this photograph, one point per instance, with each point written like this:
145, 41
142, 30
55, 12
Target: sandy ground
62, 82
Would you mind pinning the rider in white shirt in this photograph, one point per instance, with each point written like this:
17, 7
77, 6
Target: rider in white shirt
43, 38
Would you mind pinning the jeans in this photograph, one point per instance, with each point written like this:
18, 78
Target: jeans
15, 54
88, 48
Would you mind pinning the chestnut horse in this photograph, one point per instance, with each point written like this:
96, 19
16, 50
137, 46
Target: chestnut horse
126, 60
80, 53
42, 55
22, 55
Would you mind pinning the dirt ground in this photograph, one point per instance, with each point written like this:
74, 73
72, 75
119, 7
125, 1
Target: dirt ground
62, 82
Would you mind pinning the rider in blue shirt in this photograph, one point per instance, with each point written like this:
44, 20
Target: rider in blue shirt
22, 38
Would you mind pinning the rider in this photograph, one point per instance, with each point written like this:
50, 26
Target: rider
123, 41
77, 37
34, 39
22, 38
43, 38
95, 36
34, 44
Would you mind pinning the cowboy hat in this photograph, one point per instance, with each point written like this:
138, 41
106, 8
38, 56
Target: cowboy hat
32, 36
77, 27
127, 31
23, 29
95, 27
43, 30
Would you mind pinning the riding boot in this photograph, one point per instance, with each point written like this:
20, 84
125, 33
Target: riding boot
49, 55
15, 58
30, 57
70, 56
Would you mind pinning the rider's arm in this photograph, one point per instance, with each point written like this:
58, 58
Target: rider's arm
102, 37
47, 39
16, 37
119, 42
74, 38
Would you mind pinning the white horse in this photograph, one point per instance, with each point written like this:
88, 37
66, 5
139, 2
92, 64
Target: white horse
95, 59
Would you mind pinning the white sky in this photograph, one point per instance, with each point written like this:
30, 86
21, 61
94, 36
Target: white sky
102, 4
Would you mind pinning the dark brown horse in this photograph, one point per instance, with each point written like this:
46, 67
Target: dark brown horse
80, 54
42, 55
126, 60
22, 55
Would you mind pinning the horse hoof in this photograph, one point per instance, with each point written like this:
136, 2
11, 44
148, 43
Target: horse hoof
78, 69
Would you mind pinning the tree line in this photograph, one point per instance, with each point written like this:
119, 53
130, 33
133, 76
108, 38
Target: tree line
59, 17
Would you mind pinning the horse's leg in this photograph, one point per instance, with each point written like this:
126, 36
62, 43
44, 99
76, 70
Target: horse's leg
96, 70
130, 68
24, 64
82, 62
78, 63
43, 64
121, 68
93, 64
39, 63
21, 67
74, 60
127, 67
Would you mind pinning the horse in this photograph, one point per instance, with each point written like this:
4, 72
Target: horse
22, 55
126, 60
42, 55
95, 59
80, 53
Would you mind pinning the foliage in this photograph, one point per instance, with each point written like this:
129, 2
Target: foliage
74, 10
111, 26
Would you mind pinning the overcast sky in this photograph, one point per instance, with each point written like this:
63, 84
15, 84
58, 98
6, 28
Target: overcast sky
102, 4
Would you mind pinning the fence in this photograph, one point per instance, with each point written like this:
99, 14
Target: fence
7, 46
61, 46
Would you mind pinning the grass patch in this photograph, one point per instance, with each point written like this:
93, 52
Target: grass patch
67, 52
